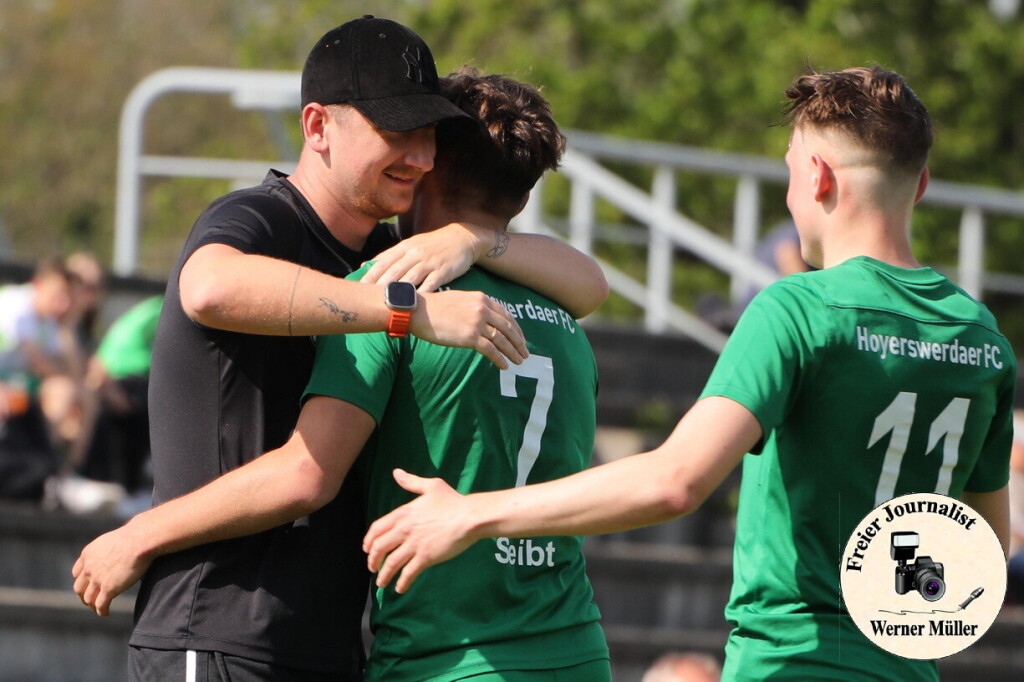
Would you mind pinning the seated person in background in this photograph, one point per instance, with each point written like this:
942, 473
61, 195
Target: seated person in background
118, 377
62, 396
779, 249
113, 446
29, 353
87, 293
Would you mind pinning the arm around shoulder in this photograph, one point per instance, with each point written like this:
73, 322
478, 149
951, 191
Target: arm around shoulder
550, 267
224, 288
547, 265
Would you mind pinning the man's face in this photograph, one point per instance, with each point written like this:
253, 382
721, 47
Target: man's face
376, 171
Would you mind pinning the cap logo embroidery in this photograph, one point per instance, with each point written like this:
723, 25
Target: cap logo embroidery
414, 70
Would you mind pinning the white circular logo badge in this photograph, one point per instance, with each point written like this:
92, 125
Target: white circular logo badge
923, 576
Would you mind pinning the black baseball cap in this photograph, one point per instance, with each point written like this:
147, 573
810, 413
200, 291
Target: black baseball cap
382, 69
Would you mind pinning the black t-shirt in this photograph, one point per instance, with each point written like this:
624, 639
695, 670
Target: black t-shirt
293, 595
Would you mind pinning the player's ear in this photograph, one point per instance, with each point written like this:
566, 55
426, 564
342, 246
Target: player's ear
922, 184
823, 179
314, 124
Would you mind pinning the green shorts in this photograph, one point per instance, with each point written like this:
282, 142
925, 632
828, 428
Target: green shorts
592, 671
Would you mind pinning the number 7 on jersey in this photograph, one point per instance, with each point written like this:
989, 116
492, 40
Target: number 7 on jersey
541, 369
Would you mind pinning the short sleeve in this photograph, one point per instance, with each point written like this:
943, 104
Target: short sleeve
357, 368
775, 342
243, 222
992, 471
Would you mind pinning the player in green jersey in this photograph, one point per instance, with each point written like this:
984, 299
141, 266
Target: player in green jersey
517, 609
849, 386
506, 605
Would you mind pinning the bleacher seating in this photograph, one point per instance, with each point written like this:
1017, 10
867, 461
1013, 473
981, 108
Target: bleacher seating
659, 589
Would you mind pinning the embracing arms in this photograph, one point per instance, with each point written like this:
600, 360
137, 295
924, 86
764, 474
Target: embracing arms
282, 485
652, 487
547, 265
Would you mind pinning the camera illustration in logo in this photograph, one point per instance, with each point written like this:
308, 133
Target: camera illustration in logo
923, 575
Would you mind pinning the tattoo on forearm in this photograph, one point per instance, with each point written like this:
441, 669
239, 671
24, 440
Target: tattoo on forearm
500, 246
295, 284
346, 315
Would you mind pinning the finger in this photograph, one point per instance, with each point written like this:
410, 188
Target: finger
103, 600
383, 542
384, 261
392, 564
510, 328
412, 569
431, 282
504, 346
81, 584
411, 482
376, 529
90, 596
491, 352
415, 274
371, 275
406, 270
77, 568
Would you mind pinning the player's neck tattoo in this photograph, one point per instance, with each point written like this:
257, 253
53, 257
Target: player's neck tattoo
332, 307
500, 246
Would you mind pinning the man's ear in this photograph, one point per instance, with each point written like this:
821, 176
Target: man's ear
922, 184
823, 179
314, 124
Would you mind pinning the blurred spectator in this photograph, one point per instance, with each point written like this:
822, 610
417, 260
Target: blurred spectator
684, 667
114, 445
779, 249
1015, 586
30, 353
62, 396
87, 292
107, 463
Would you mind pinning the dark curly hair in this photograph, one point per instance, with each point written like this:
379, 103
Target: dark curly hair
494, 163
873, 106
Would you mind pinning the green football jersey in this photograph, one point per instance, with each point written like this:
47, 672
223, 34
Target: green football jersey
449, 412
127, 347
869, 381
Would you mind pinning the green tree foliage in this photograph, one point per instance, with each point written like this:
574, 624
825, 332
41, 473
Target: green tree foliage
706, 73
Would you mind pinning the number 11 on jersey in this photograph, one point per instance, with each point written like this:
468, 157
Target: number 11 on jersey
897, 419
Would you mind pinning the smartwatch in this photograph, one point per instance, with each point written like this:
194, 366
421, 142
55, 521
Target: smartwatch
400, 297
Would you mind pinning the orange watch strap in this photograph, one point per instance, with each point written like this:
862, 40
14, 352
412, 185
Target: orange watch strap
398, 325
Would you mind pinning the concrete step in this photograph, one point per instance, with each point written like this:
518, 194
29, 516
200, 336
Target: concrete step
38, 548
49, 636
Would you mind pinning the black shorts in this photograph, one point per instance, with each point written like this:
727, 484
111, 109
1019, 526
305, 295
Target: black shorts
157, 665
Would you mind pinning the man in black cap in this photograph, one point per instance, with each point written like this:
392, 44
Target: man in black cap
260, 273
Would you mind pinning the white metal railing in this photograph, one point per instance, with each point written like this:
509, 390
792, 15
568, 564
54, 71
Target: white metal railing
656, 210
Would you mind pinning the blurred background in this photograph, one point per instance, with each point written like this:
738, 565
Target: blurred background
674, 182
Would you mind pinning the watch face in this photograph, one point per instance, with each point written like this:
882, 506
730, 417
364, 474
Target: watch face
400, 296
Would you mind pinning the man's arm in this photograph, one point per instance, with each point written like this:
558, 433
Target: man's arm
994, 507
652, 487
223, 288
281, 486
547, 265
